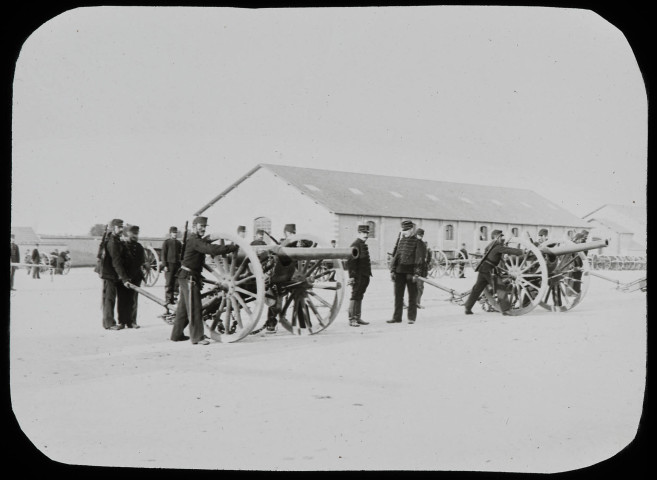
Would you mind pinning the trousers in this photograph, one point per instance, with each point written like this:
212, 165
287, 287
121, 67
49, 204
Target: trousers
171, 286
405, 282
359, 287
115, 294
189, 305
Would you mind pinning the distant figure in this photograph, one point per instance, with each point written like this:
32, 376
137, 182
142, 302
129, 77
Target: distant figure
171, 251
424, 267
15, 258
28, 261
464, 252
36, 260
334, 243
134, 258
405, 266
63, 258
580, 237
259, 238
360, 271
54, 256
542, 236
241, 231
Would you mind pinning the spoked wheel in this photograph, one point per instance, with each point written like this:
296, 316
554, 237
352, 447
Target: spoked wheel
151, 267
568, 282
313, 295
459, 263
233, 305
67, 267
44, 263
523, 280
441, 263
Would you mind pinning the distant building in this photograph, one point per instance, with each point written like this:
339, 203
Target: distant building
624, 225
330, 204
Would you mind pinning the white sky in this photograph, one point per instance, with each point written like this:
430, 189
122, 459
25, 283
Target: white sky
146, 113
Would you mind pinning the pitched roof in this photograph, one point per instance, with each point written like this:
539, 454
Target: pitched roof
634, 213
25, 236
380, 195
616, 227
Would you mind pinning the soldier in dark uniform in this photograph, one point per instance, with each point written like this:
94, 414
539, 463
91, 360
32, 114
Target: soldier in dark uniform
259, 238
424, 266
114, 278
360, 271
404, 269
486, 268
15, 258
464, 252
36, 261
189, 278
241, 231
542, 236
281, 272
580, 237
133, 260
171, 250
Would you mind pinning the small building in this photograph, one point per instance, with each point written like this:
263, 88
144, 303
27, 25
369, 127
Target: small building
625, 226
330, 204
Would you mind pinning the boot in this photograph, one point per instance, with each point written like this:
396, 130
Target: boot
357, 309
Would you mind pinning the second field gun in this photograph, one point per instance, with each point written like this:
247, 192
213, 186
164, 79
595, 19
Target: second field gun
300, 281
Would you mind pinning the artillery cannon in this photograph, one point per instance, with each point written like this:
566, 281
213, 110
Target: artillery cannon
554, 276
296, 281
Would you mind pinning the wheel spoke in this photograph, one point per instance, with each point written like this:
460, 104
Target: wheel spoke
312, 306
229, 308
244, 306
244, 280
236, 309
245, 292
321, 300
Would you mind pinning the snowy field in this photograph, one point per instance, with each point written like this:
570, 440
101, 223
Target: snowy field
544, 392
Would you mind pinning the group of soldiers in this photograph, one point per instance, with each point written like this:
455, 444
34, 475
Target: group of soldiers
57, 261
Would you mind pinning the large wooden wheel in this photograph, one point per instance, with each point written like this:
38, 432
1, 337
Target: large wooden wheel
441, 263
151, 267
311, 299
67, 267
523, 279
568, 281
233, 304
458, 263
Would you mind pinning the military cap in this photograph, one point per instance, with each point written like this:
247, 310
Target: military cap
117, 222
133, 229
241, 228
496, 233
290, 227
260, 232
543, 232
173, 230
200, 221
407, 225
419, 231
363, 228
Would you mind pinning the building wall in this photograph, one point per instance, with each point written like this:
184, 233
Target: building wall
266, 195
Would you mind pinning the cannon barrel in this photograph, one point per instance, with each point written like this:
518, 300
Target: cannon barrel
574, 247
304, 253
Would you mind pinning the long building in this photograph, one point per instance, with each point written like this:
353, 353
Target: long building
330, 204
625, 226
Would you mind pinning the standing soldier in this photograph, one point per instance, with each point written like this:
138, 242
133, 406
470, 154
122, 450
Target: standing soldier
486, 268
464, 253
36, 261
114, 276
281, 271
15, 258
360, 271
404, 268
542, 236
133, 260
424, 266
241, 231
189, 278
171, 251
259, 238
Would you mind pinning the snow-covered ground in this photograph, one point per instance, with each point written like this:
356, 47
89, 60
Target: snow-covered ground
544, 392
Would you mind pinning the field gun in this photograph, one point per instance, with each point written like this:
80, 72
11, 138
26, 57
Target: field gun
297, 281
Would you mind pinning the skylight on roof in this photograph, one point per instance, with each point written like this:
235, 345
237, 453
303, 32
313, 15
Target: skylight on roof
396, 194
432, 197
311, 187
496, 202
355, 191
526, 205
466, 200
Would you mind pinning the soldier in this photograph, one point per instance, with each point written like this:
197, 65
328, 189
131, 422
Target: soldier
464, 252
171, 251
404, 269
580, 237
360, 271
189, 278
424, 266
259, 238
241, 231
36, 260
133, 261
114, 278
289, 230
280, 272
542, 236
486, 269
15, 258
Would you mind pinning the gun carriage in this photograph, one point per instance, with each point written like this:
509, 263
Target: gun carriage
300, 282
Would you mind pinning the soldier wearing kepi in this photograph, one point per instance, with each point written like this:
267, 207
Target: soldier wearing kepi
486, 269
134, 259
15, 258
114, 279
171, 251
259, 238
542, 236
189, 278
360, 271
241, 231
404, 269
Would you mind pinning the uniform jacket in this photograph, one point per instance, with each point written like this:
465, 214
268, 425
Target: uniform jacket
171, 250
112, 266
410, 255
258, 242
424, 266
15, 253
361, 265
493, 255
197, 248
134, 257
36, 256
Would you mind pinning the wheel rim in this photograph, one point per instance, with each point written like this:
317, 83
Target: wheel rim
442, 263
311, 305
151, 267
232, 306
527, 277
568, 283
